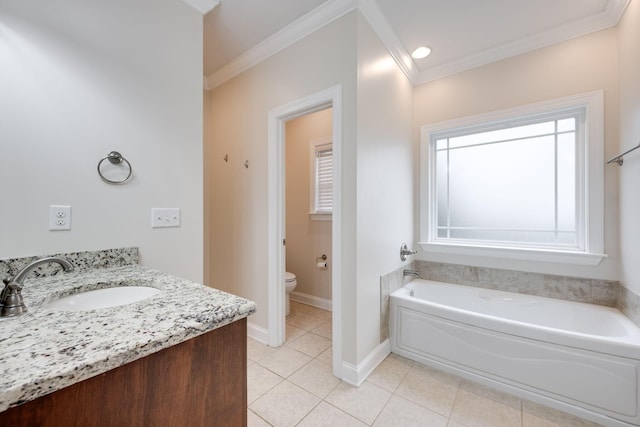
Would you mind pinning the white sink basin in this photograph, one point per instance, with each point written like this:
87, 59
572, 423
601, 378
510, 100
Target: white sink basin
101, 298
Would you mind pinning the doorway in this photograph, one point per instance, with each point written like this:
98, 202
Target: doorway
308, 211
329, 98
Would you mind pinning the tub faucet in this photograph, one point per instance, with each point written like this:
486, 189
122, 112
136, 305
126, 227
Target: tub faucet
410, 273
11, 297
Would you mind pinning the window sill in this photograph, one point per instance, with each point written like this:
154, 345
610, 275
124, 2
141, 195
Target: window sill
315, 216
524, 254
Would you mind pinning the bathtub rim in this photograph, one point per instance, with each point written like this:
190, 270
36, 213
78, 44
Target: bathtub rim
627, 346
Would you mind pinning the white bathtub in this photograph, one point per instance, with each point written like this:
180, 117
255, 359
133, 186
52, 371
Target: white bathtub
580, 358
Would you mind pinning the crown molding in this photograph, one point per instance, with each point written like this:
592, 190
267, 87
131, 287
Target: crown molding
334, 9
302, 27
606, 19
203, 6
384, 30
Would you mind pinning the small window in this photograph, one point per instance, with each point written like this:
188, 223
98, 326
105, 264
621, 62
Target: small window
321, 180
519, 181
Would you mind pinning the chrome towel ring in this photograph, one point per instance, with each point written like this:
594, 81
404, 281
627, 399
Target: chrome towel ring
115, 158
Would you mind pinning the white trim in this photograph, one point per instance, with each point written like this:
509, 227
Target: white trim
606, 19
302, 27
523, 254
203, 6
594, 204
257, 333
312, 300
331, 97
334, 9
315, 216
378, 21
355, 375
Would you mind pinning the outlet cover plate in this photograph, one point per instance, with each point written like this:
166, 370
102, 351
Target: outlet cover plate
59, 217
165, 217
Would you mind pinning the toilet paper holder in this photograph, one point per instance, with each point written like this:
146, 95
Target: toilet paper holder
321, 258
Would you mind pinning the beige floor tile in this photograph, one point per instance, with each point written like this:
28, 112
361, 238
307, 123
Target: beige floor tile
255, 421
298, 307
421, 386
454, 424
472, 410
401, 412
324, 330
390, 373
310, 344
536, 415
364, 402
256, 350
285, 361
329, 416
437, 374
489, 393
259, 381
285, 405
305, 321
315, 377
319, 313
326, 356
292, 333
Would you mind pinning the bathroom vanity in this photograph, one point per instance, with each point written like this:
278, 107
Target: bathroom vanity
175, 358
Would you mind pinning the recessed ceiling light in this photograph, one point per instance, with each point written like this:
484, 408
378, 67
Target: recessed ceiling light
421, 52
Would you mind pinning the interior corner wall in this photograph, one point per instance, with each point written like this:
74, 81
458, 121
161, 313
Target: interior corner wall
239, 112
580, 65
385, 170
307, 239
629, 70
81, 78
206, 158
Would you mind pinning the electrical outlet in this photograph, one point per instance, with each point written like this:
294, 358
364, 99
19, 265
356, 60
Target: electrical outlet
165, 217
59, 217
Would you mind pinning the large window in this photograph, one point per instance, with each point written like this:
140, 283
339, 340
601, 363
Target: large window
321, 179
516, 183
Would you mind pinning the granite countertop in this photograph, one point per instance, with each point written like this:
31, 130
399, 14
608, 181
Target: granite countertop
45, 350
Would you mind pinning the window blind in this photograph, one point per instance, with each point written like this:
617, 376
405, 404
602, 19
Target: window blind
324, 179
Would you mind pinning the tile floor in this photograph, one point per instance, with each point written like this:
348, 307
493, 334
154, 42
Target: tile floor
293, 386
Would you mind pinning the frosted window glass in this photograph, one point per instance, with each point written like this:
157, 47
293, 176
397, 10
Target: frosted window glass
510, 185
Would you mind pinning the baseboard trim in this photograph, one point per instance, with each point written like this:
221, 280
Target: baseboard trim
355, 375
258, 333
312, 300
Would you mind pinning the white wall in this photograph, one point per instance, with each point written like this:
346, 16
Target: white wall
238, 205
385, 168
306, 239
629, 71
580, 65
78, 79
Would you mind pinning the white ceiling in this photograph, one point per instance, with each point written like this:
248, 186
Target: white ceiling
461, 33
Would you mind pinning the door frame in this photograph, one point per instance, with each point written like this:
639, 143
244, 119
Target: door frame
327, 98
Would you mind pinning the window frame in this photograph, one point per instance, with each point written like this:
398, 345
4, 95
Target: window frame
590, 188
316, 145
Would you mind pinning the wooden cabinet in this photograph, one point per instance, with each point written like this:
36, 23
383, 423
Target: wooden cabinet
200, 382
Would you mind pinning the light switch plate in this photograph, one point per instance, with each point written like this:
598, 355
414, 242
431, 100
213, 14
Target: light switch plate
165, 217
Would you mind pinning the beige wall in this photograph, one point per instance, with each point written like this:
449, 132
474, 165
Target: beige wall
81, 78
385, 178
629, 69
238, 196
580, 65
306, 239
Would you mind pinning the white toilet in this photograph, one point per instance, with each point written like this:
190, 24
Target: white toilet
289, 284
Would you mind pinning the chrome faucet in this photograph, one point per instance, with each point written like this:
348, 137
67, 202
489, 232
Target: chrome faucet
410, 273
11, 297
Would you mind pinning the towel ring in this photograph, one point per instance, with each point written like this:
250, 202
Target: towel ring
115, 158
